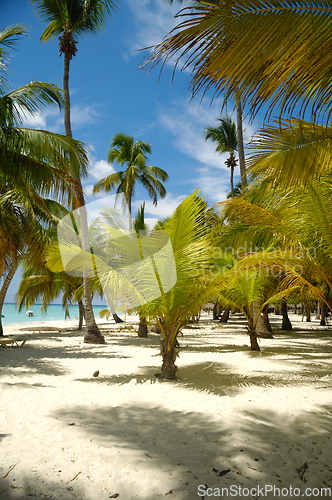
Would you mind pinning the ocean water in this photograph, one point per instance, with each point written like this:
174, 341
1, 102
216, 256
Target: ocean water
54, 312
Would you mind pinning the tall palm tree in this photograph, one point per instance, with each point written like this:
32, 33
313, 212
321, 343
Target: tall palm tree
225, 137
123, 151
72, 19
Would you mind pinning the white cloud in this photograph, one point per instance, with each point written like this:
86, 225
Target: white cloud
100, 169
154, 19
81, 115
165, 206
52, 120
186, 121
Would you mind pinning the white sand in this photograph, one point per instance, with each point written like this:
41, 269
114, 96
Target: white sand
263, 415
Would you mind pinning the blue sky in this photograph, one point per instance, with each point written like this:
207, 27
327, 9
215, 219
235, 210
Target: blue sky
109, 94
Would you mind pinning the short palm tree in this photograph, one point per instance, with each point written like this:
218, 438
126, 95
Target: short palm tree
24, 218
40, 283
224, 136
293, 225
72, 19
192, 252
125, 151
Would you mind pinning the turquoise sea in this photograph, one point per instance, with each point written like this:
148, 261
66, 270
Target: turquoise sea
54, 312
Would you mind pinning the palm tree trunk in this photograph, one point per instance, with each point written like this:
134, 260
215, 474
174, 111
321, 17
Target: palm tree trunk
308, 312
216, 310
322, 313
92, 332
266, 320
239, 132
6, 284
263, 328
225, 316
253, 340
67, 121
286, 324
232, 182
81, 314
143, 327
168, 367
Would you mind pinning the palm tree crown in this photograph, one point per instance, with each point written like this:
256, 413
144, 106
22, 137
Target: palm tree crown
224, 136
262, 52
123, 151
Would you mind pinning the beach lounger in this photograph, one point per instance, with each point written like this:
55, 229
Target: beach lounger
13, 342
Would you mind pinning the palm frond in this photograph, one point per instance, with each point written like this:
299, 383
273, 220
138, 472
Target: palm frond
263, 52
292, 151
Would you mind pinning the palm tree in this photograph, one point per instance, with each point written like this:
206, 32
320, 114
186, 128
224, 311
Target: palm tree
40, 283
226, 139
23, 221
72, 19
291, 151
192, 256
123, 151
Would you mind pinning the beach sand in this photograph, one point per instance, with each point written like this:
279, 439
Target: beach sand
235, 418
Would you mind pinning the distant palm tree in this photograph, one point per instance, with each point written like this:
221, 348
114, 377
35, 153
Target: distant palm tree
124, 150
226, 139
72, 19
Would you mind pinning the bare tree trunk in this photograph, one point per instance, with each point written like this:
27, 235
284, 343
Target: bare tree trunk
6, 283
92, 332
232, 181
286, 324
240, 146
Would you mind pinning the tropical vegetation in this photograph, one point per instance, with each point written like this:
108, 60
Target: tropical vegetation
34, 166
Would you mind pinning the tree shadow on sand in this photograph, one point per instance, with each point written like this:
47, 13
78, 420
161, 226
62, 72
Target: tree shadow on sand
191, 446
